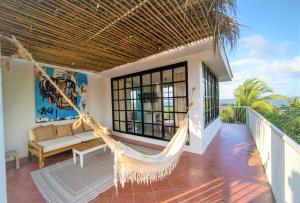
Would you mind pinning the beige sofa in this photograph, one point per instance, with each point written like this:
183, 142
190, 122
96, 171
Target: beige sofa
48, 140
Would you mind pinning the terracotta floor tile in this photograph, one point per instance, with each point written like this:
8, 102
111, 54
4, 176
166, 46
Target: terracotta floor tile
127, 199
147, 197
161, 185
229, 171
164, 196
123, 192
102, 199
142, 188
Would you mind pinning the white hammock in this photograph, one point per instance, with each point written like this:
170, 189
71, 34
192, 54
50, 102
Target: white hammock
129, 165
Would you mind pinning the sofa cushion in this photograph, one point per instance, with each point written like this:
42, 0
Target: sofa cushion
63, 130
77, 130
86, 136
86, 127
42, 133
59, 142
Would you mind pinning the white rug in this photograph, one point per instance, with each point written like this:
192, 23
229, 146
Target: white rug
67, 182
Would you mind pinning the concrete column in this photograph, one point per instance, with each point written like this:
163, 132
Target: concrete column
3, 194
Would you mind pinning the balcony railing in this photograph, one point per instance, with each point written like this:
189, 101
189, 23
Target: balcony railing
279, 154
234, 114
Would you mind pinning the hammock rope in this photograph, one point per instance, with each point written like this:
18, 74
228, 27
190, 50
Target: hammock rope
129, 164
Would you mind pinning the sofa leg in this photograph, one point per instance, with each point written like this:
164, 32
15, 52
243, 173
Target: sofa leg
41, 163
41, 160
29, 156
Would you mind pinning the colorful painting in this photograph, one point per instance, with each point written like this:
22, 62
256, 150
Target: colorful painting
49, 104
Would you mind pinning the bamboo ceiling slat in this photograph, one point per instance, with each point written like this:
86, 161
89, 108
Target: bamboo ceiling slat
98, 35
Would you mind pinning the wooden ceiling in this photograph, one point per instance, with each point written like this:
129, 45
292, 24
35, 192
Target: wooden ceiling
99, 35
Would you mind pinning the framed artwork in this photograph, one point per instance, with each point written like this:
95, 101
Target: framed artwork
49, 104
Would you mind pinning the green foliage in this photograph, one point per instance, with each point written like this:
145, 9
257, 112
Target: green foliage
287, 118
256, 94
259, 96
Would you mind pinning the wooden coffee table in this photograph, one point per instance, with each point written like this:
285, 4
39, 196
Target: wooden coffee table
87, 147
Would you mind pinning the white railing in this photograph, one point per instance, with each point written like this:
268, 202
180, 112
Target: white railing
233, 114
280, 156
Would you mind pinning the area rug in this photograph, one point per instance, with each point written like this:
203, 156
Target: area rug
67, 182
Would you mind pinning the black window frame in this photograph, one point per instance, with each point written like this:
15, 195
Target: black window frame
211, 95
154, 97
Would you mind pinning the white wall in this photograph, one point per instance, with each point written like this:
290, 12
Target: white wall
3, 193
19, 104
209, 133
280, 156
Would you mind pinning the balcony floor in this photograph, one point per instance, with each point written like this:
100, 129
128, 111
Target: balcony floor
229, 171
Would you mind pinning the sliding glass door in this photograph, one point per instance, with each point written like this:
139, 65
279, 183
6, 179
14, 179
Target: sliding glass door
150, 103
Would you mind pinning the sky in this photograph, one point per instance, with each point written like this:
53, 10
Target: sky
268, 48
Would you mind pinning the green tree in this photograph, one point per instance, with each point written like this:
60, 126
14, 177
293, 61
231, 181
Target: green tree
256, 94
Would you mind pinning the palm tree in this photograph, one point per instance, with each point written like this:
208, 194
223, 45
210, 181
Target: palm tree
256, 94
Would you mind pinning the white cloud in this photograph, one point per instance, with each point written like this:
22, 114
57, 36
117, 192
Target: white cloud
258, 46
259, 58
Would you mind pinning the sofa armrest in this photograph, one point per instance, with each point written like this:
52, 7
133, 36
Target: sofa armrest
35, 145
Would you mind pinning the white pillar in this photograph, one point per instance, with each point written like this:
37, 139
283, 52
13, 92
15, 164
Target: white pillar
196, 114
3, 193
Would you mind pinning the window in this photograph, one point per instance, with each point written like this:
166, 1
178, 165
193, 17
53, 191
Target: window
211, 96
150, 103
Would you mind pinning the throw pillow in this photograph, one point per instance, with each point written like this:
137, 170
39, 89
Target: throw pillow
42, 133
77, 130
63, 130
87, 127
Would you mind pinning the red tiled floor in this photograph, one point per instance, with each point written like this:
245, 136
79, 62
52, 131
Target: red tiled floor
229, 171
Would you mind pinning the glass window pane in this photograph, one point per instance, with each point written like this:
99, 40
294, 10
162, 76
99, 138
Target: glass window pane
146, 79
157, 131
168, 90
148, 129
169, 132
156, 91
116, 125
129, 94
136, 81
115, 95
180, 104
128, 82
180, 89
116, 105
115, 84
136, 93
169, 119
122, 105
147, 92
178, 118
179, 74
130, 116
148, 117
116, 115
168, 105
167, 76
147, 105
157, 117
137, 104
121, 94
123, 126
138, 127
121, 84
129, 105
130, 127
137, 115
156, 104
155, 78
122, 116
